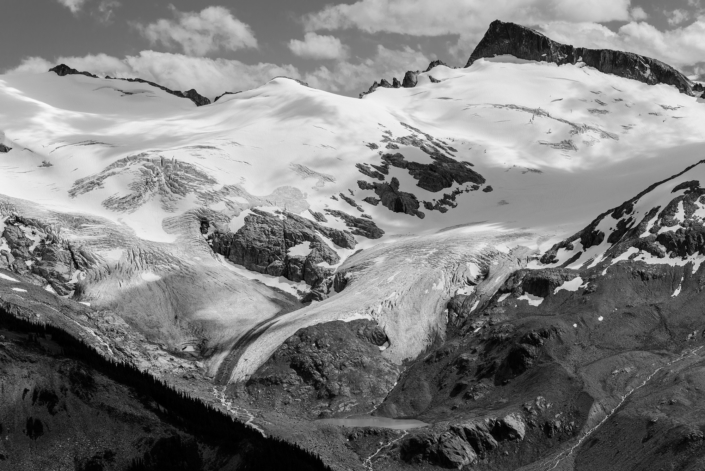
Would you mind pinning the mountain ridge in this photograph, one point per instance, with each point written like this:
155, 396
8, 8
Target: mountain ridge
525, 43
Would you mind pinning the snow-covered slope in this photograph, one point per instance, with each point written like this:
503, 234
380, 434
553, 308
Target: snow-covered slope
519, 151
661, 225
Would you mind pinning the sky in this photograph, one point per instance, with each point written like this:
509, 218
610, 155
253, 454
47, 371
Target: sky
218, 45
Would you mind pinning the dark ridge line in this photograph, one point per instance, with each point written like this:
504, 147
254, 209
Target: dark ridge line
528, 44
62, 70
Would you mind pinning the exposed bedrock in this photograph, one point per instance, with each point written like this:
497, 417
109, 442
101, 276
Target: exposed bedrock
33, 249
670, 229
525, 43
199, 100
393, 198
411, 78
264, 242
464, 443
563, 361
325, 370
439, 175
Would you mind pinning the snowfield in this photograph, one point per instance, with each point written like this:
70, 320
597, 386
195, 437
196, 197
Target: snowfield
557, 146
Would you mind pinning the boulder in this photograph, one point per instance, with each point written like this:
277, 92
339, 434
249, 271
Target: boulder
478, 435
411, 78
454, 452
510, 427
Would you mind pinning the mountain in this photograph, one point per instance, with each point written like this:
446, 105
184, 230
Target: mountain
427, 277
525, 43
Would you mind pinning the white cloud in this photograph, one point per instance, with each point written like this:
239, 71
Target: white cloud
73, 5
677, 47
315, 46
638, 14
677, 17
468, 18
198, 34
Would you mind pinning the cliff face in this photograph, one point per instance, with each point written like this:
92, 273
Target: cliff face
525, 43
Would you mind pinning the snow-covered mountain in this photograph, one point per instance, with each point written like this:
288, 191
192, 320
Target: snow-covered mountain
220, 230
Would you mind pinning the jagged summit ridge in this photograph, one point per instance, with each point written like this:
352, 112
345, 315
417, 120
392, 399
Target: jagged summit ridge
526, 43
62, 70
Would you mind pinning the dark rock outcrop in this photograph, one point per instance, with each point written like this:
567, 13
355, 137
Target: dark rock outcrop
462, 444
192, 94
649, 233
365, 169
411, 78
393, 198
43, 257
526, 43
435, 63
360, 226
62, 70
4, 149
224, 94
350, 201
262, 245
439, 175
326, 369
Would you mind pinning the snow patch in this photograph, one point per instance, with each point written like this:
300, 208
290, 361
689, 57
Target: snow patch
533, 300
7, 278
572, 285
150, 276
301, 250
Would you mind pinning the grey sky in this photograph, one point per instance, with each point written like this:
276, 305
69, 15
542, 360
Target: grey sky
342, 47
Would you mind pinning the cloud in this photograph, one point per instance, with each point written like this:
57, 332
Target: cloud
73, 5
677, 17
316, 46
198, 34
467, 18
678, 47
638, 14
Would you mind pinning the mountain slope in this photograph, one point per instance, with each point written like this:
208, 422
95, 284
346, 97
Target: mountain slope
220, 246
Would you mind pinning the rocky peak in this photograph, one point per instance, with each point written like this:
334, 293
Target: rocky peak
62, 70
225, 94
526, 43
435, 63
410, 80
